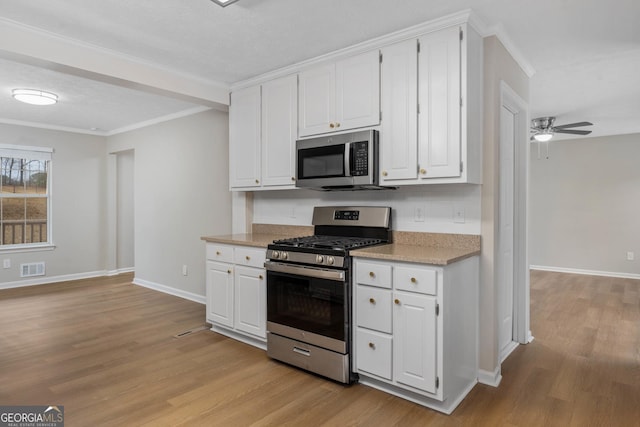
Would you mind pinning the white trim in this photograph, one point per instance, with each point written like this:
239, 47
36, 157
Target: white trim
508, 350
459, 18
521, 292
500, 33
157, 120
50, 127
490, 378
120, 271
17, 249
23, 148
169, 290
128, 128
586, 272
52, 279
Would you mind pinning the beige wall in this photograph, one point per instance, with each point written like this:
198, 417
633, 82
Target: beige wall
78, 215
181, 193
498, 66
584, 205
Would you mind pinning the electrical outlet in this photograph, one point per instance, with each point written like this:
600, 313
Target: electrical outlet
6, 263
184, 270
631, 256
458, 214
418, 214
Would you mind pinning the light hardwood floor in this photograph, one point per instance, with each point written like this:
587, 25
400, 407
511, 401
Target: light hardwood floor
105, 349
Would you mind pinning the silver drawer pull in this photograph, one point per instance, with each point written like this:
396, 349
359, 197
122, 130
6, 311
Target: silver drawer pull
301, 351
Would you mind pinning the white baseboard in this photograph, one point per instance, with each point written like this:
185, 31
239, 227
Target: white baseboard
169, 290
586, 272
120, 271
490, 378
45, 280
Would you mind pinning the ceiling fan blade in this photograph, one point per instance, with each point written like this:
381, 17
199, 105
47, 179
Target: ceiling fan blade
573, 132
573, 125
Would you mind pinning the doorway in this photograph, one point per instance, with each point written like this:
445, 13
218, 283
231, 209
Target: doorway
513, 264
124, 224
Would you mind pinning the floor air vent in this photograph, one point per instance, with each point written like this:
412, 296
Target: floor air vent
32, 269
190, 331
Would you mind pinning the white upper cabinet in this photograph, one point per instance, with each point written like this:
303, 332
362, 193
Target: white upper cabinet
431, 129
262, 135
399, 104
279, 126
439, 99
340, 96
244, 138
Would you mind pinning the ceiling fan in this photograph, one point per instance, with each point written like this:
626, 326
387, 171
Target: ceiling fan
543, 128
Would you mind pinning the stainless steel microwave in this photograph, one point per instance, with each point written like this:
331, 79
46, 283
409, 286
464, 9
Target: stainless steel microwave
347, 161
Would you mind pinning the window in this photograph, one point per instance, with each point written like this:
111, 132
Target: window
25, 203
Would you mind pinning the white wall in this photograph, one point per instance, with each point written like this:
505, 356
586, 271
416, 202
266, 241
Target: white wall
585, 204
437, 202
78, 205
181, 193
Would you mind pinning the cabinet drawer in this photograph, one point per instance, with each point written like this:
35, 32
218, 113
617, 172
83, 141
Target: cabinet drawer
414, 279
251, 257
373, 353
374, 308
368, 273
222, 253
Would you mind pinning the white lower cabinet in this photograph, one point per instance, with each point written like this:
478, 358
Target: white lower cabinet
237, 292
415, 329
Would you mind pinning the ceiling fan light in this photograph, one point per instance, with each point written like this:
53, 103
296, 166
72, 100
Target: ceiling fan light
543, 137
34, 96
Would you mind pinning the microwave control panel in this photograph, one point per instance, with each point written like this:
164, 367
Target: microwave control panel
360, 158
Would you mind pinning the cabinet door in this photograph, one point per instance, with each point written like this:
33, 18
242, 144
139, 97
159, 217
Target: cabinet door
358, 91
244, 138
250, 301
373, 353
219, 282
399, 99
279, 126
415, 341
317, 100
439, 97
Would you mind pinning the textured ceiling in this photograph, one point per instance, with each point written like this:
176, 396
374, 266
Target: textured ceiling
584, 53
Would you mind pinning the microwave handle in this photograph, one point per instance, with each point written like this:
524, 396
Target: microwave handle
347, 159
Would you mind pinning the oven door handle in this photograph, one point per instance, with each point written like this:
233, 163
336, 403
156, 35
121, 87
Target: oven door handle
320, 273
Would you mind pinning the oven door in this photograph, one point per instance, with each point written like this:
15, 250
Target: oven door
308, 304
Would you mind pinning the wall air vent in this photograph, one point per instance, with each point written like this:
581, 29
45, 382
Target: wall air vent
32, 269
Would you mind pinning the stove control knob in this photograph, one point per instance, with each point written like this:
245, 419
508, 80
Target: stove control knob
319, 259
275, 254
284, 255
330, 260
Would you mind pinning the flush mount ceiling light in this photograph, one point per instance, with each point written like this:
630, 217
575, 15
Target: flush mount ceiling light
34, 96
224, 3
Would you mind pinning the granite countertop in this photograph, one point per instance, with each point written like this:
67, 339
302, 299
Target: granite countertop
261, 235
424, 248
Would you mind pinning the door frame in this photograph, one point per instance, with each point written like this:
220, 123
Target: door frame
510, 100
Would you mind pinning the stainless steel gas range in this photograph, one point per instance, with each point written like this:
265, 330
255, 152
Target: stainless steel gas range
309, 289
